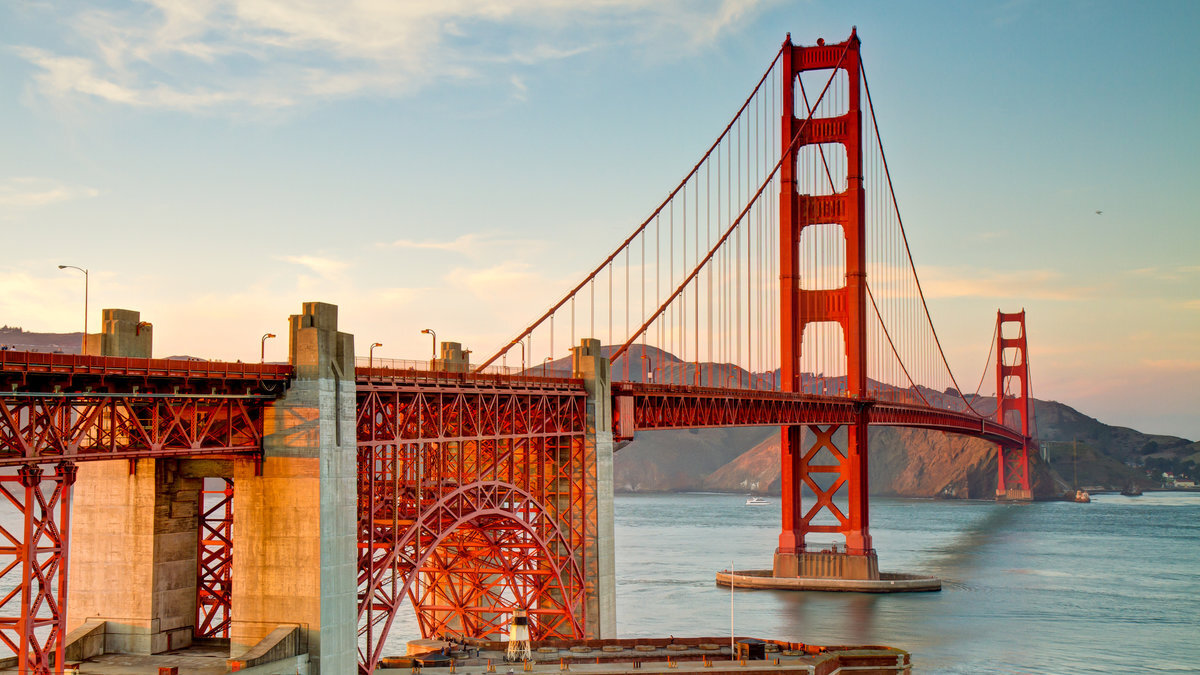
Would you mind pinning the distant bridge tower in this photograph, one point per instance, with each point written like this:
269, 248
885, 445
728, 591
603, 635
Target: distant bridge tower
1012, 399
799, 307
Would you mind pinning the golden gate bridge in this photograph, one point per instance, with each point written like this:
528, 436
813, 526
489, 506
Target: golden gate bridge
772, 286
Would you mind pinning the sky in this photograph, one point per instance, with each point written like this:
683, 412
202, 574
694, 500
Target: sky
457, 165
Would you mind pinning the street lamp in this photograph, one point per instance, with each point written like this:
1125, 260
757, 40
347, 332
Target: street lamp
371, 354
544, 362
263, 353
83, 342
522, 343
433, 336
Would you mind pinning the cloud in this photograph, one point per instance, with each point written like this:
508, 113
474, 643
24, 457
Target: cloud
229, 55
29, 192
461, 244
959, 282
326, 268
519, 88
1172, 365
475, 246
1167, 273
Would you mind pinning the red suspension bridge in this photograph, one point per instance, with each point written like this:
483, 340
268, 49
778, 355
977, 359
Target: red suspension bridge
773, 286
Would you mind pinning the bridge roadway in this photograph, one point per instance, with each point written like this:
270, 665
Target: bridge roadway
58, 407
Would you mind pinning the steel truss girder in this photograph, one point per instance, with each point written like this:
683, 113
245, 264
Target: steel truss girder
473, 501
683, 407
33, 613
214, 562
51, 427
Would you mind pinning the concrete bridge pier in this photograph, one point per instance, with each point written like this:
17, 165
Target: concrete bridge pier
295, 546
589, 363
134, 536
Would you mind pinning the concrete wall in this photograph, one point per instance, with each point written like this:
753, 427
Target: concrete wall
588, 363
295, 546
134, 536
122, 333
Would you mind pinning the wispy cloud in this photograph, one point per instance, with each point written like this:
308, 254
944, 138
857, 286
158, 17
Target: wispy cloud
461, 244
474, 245
1172, 365
30, 192
229, 55
959, 282
326, 268
1167, 273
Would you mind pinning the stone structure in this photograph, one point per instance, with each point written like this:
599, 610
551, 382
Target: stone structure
589, 364
134, 537
295, 548
134, 529
123, 333
453, 360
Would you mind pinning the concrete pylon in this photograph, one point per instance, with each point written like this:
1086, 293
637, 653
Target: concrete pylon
134, 533
295, 547
123, 333
589, 363
453, 359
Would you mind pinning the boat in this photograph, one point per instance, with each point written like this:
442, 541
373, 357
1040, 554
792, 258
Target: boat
1082, 497
756, 501
1132, 490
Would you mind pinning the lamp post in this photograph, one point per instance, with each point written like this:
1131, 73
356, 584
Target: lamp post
262, 357
544, 362
371, 354
433, 336
522, 343
83, 342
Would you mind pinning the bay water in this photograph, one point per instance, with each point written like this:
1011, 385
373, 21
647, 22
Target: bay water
1051, 587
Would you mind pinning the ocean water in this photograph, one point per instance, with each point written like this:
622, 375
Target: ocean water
1055, 588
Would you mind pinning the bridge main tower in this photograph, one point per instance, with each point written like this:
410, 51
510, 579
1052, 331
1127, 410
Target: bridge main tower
1012, 398
811, 458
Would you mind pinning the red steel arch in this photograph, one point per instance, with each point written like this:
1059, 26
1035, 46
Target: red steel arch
476, 497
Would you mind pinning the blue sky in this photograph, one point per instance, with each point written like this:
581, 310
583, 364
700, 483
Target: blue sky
459, 164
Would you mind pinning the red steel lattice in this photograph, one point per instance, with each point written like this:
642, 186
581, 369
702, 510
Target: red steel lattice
214, 584
474, 499
49, 427
33, 612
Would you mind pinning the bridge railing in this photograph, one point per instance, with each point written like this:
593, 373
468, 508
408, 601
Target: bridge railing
120, 366
417, 371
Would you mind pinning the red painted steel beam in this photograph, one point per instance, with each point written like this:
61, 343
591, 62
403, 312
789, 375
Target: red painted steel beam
474, 499
89, 427
33, 565
39, 371
214, 573
654, 406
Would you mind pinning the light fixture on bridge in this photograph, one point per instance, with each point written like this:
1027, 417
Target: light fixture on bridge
544, 362
82, 342
430, 332
263, 353
371, 354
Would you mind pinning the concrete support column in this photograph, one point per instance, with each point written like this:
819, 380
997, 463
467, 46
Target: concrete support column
453, 359
133, 532
588, 362
122, 333
295, 547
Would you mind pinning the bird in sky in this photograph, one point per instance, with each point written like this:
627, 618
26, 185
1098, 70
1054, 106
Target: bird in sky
1099, 212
